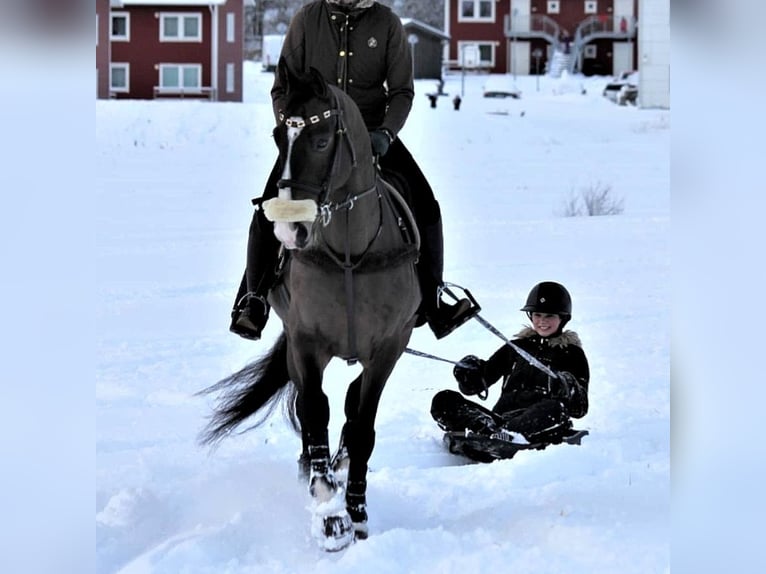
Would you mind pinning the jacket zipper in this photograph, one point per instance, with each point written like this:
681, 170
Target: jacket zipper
344, 54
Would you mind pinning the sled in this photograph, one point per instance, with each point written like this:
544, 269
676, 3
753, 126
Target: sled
481, 448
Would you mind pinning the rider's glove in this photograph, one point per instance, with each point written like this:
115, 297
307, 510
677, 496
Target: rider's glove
380, 139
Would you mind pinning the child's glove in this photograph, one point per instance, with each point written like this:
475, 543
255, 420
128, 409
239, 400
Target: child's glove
561, 386
468, 373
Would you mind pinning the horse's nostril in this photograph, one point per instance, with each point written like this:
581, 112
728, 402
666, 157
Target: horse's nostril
301, 235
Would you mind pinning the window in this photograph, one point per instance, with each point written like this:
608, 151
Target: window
229, 78
487, 54
181, 77
120, 26
476, 54
230, 27
554, 6
180, 27
591, 7
119, 77
477, 11
590, 51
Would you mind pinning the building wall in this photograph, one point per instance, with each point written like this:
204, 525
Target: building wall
230, 53
145, 50
478, 32
654, 54
222, 28
426, 53
102, 48
571, 13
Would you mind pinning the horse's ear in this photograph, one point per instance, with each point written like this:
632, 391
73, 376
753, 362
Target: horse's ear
318, 83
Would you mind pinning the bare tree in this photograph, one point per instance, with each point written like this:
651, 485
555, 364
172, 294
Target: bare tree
429, 12
273, 16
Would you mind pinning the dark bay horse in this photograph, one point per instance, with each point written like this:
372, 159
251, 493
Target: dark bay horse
350, 290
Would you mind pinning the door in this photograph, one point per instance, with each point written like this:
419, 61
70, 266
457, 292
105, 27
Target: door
520, 15
519, 57
622, 58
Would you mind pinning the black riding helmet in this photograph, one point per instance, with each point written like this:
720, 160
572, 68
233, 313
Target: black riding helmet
549, 297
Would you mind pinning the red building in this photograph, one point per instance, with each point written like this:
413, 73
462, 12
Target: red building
542, 36
170, 48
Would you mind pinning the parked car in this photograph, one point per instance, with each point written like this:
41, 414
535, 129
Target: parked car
623, 89
500, 86
272, 47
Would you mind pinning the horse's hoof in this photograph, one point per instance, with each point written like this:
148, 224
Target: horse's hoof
323, 487
361, 530
335, 532
339, 465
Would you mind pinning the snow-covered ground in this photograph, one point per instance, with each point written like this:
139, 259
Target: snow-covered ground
173, 182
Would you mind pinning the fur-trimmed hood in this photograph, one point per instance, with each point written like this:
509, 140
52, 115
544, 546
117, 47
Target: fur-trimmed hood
564, 339
353, 4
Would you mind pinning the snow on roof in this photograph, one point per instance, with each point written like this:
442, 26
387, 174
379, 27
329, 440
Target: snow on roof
425, 27
167, 2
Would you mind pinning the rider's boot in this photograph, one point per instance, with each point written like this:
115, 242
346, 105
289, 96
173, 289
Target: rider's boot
442, 317
251, 311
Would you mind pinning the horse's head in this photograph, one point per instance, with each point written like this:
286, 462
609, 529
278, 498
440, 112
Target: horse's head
322, 142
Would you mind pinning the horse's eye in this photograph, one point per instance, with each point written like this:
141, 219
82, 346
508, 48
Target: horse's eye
322, 143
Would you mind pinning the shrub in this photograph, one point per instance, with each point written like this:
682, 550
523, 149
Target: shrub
594, 200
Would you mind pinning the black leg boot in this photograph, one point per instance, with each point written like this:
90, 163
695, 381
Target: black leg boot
251, 311
356, 505
442, 317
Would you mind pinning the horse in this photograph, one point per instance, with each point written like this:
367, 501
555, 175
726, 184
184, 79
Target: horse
349, 290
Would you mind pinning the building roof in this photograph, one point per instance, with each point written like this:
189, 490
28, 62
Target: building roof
120, 3
412, 23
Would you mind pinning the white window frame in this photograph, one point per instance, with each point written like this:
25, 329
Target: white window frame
590, 51
475, 17
180, 88
230, 78
478, 43
119, 89
180, 16
591, 7
112, 17
231, 27
553, 7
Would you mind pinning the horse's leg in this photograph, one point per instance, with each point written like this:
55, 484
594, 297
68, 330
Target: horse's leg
340, 458
304, 460
331, 525
360, 435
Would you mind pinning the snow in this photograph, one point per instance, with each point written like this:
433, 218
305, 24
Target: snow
174, 180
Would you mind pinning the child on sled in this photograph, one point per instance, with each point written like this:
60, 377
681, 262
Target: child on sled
534, 407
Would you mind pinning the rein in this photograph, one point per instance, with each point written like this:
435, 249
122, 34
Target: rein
529, 358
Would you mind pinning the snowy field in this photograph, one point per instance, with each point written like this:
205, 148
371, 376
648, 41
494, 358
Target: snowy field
173, 182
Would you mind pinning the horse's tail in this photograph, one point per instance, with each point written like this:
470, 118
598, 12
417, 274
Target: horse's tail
262, 383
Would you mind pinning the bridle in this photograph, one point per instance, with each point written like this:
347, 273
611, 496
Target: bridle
328, 208
321, 191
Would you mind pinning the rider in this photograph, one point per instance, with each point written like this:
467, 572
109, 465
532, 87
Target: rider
361, 46
533, 406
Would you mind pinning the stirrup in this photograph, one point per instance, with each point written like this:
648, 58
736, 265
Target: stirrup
245, 325
470, 311
445, 288
245, 299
